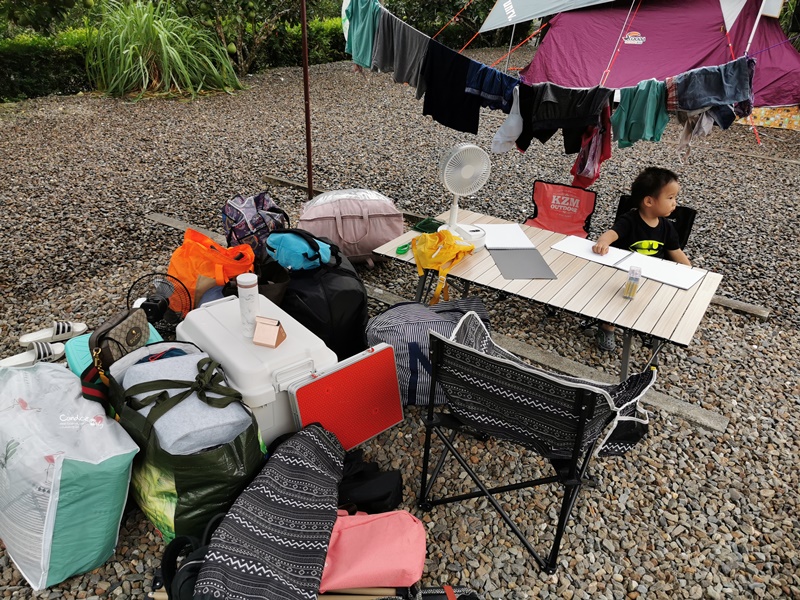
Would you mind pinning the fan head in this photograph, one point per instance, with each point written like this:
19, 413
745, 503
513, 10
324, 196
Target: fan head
164, 299
465, 169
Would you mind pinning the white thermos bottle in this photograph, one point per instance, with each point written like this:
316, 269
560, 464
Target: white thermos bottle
247, 284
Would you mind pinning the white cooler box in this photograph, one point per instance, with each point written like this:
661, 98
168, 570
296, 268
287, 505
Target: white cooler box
261, 374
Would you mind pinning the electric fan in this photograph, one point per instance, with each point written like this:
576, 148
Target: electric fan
465, 169
164, 299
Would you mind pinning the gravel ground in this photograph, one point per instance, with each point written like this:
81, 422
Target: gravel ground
689, 514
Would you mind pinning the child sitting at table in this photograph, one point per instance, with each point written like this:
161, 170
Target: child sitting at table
646, 229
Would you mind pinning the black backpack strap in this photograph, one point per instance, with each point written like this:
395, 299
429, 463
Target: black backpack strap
212, 527
169, 561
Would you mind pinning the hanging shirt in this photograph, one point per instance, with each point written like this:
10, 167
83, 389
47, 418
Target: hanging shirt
509, 131
494, 88
641, 114
546, 107
637, 236
399, 49
363, 16
445, 74
595, 149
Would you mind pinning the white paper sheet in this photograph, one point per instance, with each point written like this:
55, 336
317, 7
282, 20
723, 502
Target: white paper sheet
583, 248
664, 271
505, 236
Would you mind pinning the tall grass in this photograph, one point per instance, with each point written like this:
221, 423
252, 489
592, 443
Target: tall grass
143, 46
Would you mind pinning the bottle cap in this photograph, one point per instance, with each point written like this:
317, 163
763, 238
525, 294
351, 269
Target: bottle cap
247, 280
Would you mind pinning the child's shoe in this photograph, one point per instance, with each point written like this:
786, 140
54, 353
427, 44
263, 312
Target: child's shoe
606, 340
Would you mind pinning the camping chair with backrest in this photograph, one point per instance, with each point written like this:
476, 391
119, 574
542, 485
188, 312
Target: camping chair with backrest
562, 208
491, 392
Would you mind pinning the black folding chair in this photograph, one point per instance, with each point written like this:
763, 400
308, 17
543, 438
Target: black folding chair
491, 392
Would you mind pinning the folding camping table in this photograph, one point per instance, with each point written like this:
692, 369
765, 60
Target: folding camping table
585, 288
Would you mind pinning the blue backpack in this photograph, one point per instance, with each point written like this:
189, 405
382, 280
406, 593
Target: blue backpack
297, 249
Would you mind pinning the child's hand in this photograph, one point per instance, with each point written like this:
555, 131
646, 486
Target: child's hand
600, 247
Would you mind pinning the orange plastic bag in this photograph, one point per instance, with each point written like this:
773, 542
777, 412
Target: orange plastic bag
201, 263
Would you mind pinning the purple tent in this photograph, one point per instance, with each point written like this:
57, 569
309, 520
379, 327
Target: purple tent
665, 38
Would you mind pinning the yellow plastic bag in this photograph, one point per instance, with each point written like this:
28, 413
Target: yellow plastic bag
200, 259
439, 251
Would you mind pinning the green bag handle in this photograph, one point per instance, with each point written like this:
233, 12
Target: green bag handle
209, 379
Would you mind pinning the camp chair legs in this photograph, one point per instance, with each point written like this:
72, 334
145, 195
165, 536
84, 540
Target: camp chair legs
570, 479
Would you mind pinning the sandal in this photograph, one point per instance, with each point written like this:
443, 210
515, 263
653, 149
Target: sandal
36, 352
606, 340
59, 332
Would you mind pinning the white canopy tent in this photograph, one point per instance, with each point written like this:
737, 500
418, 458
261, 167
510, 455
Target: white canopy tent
511, 12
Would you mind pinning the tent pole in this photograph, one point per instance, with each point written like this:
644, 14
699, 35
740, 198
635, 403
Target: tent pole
307, 97
511, 41
755, 25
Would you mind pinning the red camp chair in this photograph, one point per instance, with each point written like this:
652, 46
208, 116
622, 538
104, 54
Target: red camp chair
562, 208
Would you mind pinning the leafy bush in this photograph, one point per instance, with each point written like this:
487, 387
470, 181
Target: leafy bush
32, 65
143, 47
285, 46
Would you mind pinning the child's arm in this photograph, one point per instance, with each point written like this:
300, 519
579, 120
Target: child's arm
604, 241
678, 256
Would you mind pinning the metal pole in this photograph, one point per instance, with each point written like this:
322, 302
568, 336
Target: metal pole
307, 95
511, 41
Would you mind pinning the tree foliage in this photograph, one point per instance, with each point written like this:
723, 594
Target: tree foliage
39, 15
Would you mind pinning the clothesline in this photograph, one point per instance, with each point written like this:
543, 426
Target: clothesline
455, 88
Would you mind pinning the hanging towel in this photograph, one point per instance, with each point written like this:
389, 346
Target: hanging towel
445, 74
509, 131
399, 49
494, 88
273, 541
363, 16
595, 149
641, 114
546, 107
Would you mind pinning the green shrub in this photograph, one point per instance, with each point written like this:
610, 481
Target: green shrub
143, 47
32, 65
285, 46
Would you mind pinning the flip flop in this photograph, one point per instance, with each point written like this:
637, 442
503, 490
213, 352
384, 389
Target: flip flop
59, 332
36, 352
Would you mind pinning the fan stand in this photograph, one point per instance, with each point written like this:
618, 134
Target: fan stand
469, 233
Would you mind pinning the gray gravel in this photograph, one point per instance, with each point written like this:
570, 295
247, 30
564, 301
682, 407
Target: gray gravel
689, 514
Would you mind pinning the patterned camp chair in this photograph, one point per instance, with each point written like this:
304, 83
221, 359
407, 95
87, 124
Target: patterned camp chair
491, 392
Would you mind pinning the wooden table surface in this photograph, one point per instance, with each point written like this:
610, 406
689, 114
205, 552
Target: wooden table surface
584, 287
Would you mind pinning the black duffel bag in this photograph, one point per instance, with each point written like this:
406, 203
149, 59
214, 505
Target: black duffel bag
328, 297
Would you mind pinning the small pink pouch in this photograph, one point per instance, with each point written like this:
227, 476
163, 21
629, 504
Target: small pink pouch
382, 550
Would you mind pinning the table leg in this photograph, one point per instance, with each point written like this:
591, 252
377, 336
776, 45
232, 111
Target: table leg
626, 354
421, 287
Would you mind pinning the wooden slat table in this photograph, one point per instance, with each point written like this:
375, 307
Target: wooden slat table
585, 288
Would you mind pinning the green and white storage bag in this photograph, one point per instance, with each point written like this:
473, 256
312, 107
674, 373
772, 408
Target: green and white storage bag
64, 474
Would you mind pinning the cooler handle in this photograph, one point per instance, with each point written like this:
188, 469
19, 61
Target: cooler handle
285, 377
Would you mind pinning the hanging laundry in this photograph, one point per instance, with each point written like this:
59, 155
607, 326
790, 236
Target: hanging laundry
362, 16
696, 124
494, 88
399, 49
546, 107
710, 95
445, 74
505, 138
641, 114
595, 149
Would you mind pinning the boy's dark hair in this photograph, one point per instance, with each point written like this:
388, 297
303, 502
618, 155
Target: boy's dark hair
650, 182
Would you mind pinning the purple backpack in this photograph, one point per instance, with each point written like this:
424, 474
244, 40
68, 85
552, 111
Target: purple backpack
250, 220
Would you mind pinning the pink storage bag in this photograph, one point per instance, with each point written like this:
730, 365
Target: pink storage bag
382, 550
356, 220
